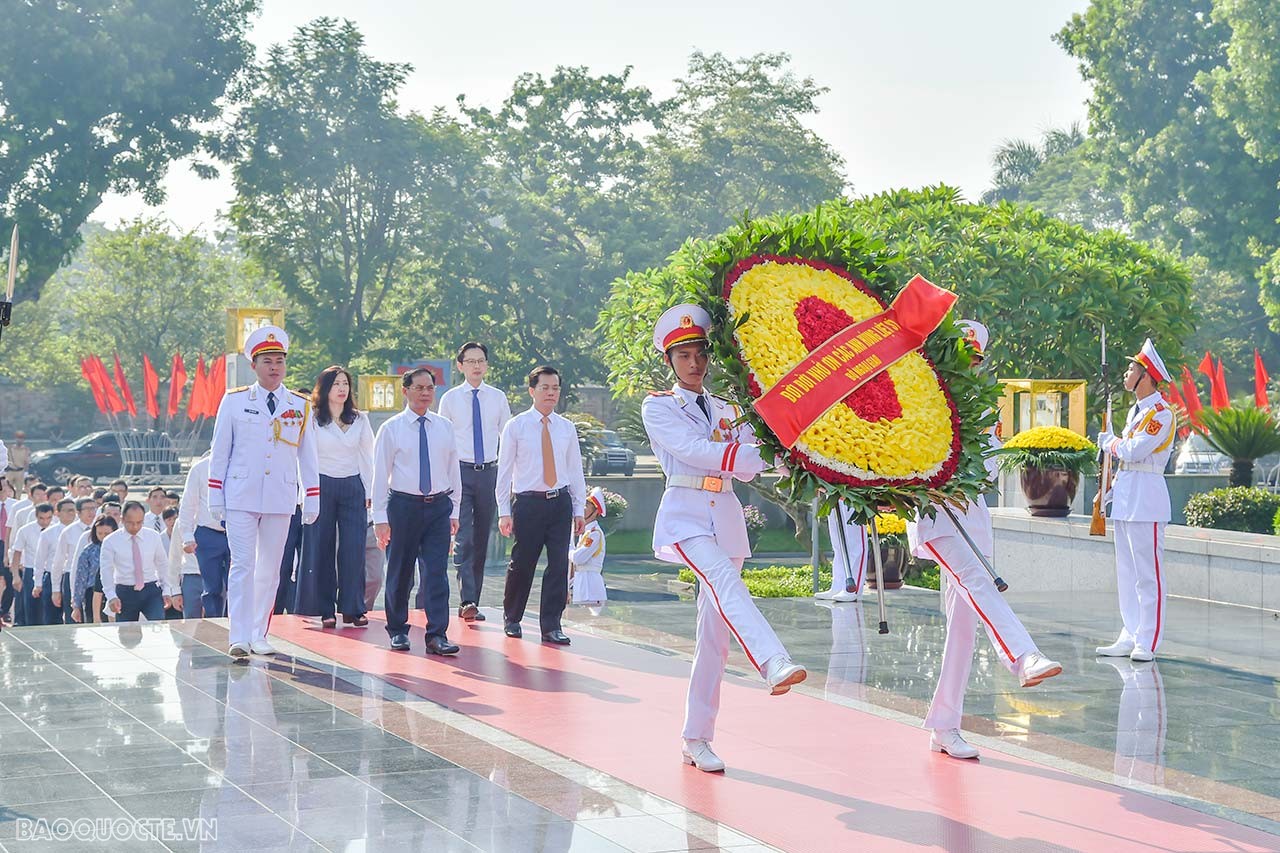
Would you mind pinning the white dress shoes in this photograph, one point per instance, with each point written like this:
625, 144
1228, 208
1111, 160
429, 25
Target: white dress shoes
949, 741
698, 753
262, 647
1121, 648
1141, 655
1034, 668
836, 595
781, 674
239, 650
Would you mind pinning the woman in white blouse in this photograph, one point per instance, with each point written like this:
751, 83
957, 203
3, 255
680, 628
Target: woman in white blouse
332, 577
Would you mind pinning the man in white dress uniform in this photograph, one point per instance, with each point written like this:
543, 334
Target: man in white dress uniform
700, 524
971, 597
1140, 507
261, 451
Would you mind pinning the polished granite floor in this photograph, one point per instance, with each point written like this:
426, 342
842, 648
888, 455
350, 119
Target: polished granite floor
151, 723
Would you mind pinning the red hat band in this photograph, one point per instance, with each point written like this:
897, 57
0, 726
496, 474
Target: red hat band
1141, 358
682, 335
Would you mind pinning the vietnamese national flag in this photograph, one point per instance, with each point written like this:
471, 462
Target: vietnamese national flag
90, 376
125, 391
150, 387
1260, 380
177, 384
215, 386
1206, 365
195, 405
114, 403
1219, 399
1191, 396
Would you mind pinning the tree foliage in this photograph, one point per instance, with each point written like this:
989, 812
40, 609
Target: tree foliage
135, 290
101, 96
1043, 287
332, 182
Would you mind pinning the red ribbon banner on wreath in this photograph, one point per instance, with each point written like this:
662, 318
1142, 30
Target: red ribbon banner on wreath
852, 357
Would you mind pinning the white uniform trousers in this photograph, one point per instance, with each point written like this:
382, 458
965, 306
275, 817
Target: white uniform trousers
847, 669
256, 540
971, 597
724, 608
850, 565
1140, 580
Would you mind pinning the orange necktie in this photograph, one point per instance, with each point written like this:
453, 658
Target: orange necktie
548, 455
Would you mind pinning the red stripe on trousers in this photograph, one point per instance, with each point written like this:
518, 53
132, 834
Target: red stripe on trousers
1155, 551
716, 598
976, 608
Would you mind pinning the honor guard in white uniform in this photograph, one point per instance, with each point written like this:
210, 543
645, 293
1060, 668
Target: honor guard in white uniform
848, 557
586, 561
702, 449
1140, 506
971, 598
261, 452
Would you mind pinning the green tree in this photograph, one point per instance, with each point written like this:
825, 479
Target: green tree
101, 96
333, 184
734, 140
1042, 286
1167, 112
135, 290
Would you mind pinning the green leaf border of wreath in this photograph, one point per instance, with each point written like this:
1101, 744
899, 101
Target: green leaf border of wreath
821, 235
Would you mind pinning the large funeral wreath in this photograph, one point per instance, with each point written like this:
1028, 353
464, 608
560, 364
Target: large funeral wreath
776, 288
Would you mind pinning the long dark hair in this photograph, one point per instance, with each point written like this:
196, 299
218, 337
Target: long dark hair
320, 396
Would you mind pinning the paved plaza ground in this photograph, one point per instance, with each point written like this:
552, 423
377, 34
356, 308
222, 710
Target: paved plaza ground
339, 744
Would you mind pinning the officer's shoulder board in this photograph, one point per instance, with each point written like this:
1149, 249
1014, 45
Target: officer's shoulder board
1159, 407
239, 389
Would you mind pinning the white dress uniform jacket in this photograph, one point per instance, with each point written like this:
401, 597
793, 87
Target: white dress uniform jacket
687, 445
975, 517
258, 459
588, 557
1138, 491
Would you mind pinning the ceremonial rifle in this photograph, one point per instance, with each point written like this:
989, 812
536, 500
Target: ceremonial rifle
6, 304
1098, 524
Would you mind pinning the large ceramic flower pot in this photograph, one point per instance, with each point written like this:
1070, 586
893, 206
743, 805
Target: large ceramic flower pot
1049, 491
894, 555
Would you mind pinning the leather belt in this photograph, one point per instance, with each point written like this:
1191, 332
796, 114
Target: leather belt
551, 495
480, 467
1142, 467
702, 484
426, 499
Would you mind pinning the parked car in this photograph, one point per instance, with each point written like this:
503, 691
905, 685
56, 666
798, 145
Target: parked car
1197, 457
99, 454
613, 456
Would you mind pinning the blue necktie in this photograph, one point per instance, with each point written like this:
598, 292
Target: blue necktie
424, 458
477, 430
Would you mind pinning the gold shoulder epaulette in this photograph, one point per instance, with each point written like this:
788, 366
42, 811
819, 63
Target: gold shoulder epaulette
239, 389
662, 393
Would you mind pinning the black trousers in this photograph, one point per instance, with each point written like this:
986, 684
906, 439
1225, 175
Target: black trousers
286, 589
332, 571
478, 508
419, 537
148, 602
537, 524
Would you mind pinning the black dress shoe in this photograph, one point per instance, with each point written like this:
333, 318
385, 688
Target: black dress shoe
400, 643
441, 646
467, 612
479, 617
560, 638
513, 630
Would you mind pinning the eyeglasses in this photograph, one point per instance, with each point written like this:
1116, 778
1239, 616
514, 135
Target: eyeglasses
475, 361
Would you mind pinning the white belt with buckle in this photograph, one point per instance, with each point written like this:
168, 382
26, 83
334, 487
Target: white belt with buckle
703, 484
1142, 467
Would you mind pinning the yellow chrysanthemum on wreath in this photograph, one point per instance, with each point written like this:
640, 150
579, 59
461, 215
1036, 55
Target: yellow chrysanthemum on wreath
888, 525
1050, 438
900, 427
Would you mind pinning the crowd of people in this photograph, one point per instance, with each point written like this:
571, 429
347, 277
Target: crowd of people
76, 553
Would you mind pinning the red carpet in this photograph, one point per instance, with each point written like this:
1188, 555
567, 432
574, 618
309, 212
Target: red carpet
804, 775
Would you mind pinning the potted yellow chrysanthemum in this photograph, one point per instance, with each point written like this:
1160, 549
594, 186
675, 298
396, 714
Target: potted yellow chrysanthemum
892, 531
1049, 461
